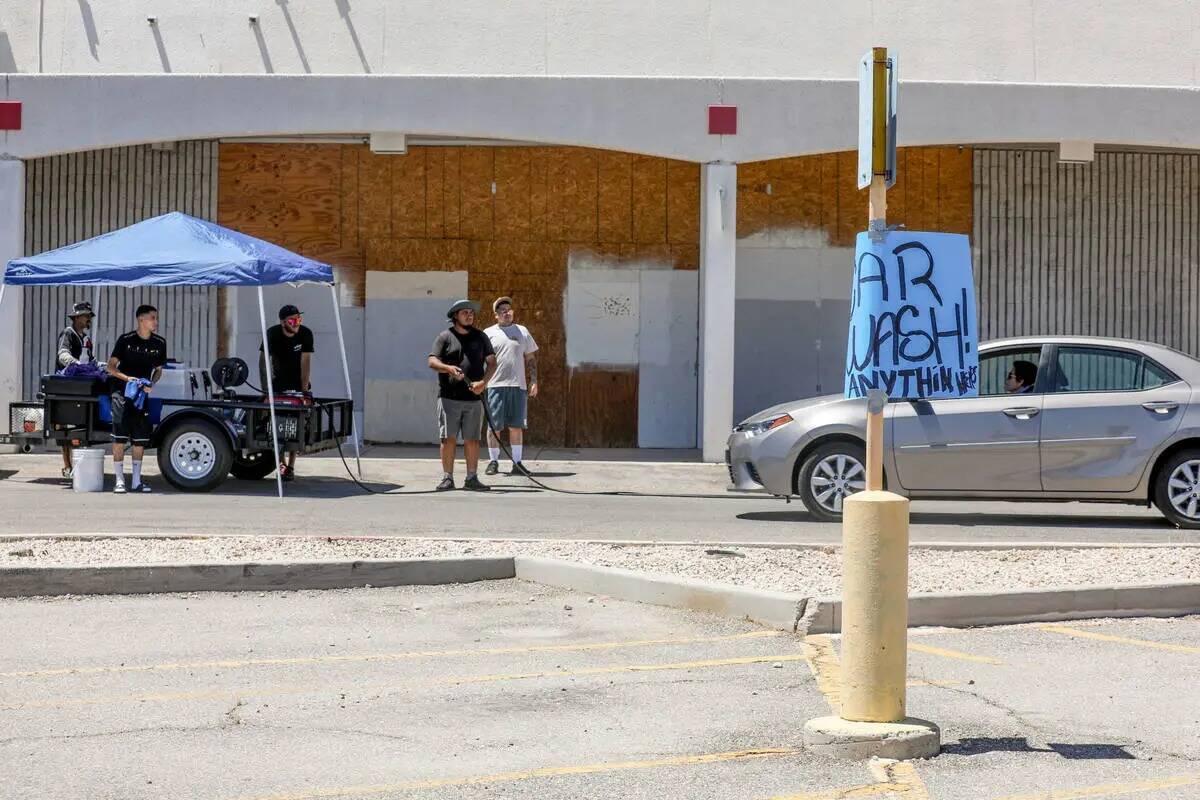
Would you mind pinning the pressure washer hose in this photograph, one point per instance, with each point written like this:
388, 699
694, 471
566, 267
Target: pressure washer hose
507, 452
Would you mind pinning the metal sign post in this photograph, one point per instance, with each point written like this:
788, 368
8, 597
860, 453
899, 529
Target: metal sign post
872, 719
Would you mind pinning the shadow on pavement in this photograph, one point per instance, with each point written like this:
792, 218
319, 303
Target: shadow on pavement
329, 488
1015, 744
968, 520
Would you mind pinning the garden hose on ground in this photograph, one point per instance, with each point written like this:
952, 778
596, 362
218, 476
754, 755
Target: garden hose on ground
529, 476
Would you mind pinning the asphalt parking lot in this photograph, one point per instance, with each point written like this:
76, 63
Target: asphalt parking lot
323, 501
510, 689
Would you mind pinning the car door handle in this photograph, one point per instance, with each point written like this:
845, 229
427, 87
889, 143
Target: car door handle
1161, 406
1026, 412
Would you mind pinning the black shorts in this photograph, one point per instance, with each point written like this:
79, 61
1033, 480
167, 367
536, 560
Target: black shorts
129, 423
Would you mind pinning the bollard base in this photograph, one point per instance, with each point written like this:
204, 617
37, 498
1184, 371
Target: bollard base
856, 741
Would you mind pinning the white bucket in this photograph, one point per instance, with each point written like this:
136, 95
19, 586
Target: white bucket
87, 469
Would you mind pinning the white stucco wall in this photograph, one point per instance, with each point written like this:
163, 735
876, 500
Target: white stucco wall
1146, 42
654, 116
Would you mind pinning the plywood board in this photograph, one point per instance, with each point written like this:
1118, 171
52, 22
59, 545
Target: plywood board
667, 344
602, 408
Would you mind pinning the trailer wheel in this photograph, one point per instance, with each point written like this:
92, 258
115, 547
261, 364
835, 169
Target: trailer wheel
254, 466
195, 456
27, 448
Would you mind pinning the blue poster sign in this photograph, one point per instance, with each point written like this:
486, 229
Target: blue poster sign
913, 331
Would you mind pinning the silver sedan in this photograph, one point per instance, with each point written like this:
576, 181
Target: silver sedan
1096, 419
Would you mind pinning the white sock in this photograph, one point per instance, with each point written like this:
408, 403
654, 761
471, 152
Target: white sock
119, 468
137, 473
494, 453
517, 449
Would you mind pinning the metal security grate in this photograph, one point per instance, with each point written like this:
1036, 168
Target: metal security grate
72, 197
1102, 249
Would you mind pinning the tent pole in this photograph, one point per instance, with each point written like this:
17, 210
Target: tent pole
262, 318
337, 315
95, 316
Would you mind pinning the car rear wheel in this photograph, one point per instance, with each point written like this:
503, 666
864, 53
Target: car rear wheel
195, 456
1177, 489
828, 475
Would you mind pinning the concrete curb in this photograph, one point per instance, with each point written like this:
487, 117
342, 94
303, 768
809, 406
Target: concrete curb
780, 610
51, 581
967, 609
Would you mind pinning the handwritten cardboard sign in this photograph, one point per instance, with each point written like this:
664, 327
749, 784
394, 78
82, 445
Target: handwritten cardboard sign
913, 331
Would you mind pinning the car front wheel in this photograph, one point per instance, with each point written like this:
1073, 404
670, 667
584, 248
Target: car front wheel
828, 475
1177, 489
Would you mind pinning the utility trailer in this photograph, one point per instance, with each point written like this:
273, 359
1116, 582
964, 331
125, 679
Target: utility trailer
200, 441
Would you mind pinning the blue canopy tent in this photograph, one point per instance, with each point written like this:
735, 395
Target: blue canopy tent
178, 250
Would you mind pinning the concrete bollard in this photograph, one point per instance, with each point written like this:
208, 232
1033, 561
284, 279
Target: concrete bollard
874, 607
872, 720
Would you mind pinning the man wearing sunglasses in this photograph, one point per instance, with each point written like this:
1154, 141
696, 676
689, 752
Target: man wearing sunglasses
1021, 377
291, 347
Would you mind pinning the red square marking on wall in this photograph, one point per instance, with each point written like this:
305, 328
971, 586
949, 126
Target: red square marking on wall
722, 120
10, 115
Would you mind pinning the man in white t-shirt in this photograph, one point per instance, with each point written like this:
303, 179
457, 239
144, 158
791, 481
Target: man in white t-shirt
507, 393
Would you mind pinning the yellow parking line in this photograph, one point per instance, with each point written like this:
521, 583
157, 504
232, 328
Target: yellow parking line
545, 772
270, 691
902, 775
823, 663
1104, 637
1110, 789
367, 657
938, 651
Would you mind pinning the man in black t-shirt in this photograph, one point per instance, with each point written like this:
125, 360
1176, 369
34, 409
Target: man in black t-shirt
291, 348
138, 355
464, 360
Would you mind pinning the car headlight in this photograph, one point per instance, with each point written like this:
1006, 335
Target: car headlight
759, 428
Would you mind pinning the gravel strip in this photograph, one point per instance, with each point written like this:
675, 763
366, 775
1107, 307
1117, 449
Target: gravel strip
812, 572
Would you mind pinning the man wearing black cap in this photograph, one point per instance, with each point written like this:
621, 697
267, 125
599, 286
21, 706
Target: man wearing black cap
75, 347
291, 347
464, 360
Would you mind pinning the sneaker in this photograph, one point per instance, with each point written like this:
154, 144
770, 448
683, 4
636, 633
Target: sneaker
119, 488
287, 474
67, 473
141, 488
493, 468
446, 485
473, 484
519, 469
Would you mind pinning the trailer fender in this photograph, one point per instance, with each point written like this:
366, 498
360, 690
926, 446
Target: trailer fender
206, 414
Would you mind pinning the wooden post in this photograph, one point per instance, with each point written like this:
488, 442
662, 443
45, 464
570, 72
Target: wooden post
877, 220
876, 401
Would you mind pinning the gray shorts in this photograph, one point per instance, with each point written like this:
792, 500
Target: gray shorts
459, 419
507, 405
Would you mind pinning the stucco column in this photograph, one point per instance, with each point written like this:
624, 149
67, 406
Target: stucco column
718, 249
12, 245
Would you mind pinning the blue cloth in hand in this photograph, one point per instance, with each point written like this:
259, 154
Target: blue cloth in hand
135, 390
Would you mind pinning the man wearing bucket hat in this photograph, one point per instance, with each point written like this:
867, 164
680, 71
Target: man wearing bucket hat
464, 360
75, 347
